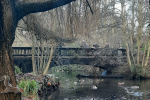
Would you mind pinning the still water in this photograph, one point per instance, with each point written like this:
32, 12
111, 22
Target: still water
72, 88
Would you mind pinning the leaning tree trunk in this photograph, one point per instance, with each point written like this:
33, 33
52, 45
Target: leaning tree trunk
49, 61
11, 11
6, 68
7, 31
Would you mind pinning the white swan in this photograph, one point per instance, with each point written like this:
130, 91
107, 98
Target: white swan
94, 87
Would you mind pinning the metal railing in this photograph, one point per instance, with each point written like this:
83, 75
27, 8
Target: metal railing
27, 51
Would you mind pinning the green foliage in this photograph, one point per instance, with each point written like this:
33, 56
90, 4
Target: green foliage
137, 71
142, 47
30, 87
17, 70
146, 72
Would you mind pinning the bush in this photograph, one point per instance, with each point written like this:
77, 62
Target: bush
137, 71
17, 70
30, 87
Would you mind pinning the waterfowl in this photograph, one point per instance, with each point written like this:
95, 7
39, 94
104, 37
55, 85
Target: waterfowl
48, 84
94, 87
75, 82
40, 93
82, 80
58, 83
120, 83
68, 79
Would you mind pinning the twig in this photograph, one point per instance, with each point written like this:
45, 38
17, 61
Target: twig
89, 6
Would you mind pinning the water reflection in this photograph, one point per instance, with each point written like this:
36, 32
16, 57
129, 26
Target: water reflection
72, 88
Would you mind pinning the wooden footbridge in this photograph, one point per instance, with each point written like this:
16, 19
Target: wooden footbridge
101, 57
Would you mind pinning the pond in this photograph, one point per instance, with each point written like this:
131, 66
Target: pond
72, 88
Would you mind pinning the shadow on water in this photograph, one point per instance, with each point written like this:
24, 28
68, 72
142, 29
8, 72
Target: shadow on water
72, 88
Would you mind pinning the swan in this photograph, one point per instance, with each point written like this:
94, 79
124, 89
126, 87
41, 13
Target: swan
75, 82
94, 87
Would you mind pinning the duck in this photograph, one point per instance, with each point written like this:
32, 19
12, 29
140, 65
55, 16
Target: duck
40, 93
75, 82
94, 87
120, 83
68, 79
48, 84
82, 80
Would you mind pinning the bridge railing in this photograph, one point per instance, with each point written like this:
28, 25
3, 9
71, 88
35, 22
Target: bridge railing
27, 51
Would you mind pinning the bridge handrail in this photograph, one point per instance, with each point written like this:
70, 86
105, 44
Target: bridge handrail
27, 51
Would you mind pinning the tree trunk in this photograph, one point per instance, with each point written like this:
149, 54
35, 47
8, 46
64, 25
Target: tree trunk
49, 61
139, 30
105, 23
7, 34
113, 16
132, 33
11, 11
147, 56
33, 53
124, 31
38, 58
42, 53
143, 59
7, 68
